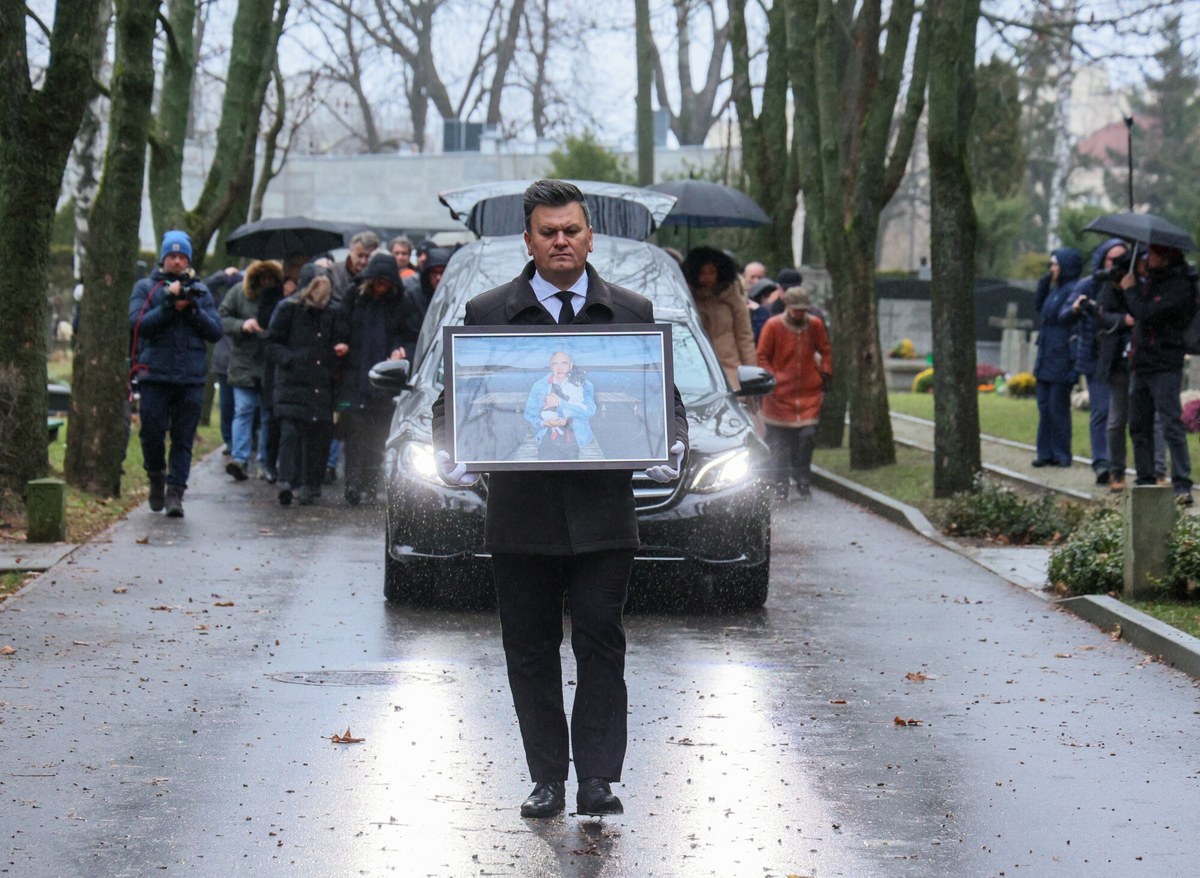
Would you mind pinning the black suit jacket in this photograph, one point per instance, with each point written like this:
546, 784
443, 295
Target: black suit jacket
558, 513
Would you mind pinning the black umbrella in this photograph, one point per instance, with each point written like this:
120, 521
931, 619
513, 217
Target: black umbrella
280, 237
1145, 228
700, 204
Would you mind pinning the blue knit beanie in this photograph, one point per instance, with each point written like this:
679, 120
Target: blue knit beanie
176, 241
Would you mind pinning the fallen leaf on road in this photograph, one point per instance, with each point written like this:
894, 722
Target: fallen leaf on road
7, 650
121, 589
223, 604
346, 738
163, 607
1063, 655
901, 721
200, 628
915, 677
837, 701
1116, 633
141, 541
80, 643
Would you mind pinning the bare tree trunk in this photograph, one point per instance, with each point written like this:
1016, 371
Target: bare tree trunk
169, 131
37, 128
97, 438
861, 150
89, 144
645, 112
768, 165
956, 456
256, 29
698, 110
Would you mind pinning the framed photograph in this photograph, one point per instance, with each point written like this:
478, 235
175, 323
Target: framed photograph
559, 397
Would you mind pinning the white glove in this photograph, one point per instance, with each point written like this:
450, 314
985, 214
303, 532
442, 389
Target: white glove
663, 473
456, 476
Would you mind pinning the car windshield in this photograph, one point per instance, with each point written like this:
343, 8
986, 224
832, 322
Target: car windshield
692, 374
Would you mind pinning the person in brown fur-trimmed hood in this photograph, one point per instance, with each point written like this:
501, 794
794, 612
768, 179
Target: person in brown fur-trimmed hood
247, 359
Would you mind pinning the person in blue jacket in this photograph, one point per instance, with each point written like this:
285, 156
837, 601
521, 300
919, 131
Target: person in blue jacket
1054, 367
1080, 310
173, 319
560, 407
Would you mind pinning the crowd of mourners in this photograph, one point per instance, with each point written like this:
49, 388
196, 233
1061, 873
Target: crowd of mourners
295, 342
1121, 326
294, 345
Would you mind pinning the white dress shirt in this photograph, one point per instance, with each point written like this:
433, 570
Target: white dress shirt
547, 294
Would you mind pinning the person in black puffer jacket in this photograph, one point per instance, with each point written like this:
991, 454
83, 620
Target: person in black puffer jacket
376, 317
1160, 301
306, 340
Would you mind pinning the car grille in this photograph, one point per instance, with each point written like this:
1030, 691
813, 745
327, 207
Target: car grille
647, 493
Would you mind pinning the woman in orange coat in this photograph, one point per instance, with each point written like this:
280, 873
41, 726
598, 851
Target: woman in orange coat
795, 348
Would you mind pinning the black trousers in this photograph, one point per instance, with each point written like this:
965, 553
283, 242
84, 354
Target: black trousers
530, 590
366, 435
303, 450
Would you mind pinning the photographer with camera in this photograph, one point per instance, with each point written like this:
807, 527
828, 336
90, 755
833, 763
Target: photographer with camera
1082, 310
173, 317
1159, 296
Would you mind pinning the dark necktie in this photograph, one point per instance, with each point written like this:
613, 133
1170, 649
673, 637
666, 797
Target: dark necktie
567, 312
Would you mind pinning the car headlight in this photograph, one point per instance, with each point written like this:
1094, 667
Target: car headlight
723, 471
417, 460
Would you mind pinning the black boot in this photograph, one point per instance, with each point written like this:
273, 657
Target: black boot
158, 484
174, 501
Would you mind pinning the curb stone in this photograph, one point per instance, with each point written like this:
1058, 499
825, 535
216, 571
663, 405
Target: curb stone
1136, 628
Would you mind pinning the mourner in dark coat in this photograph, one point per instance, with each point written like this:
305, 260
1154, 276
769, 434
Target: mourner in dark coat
556, 534
306, 340
375, 315
1161, 300
1054, 366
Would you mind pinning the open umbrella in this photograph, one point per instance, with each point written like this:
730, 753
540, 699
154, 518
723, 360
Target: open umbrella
1145, 228
280, 237
700, 204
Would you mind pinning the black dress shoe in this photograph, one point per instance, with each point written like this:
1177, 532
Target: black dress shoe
595, 798
548, 798
1040, 462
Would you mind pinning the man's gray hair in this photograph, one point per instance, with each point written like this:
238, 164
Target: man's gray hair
367, 238
401, 240
554, 193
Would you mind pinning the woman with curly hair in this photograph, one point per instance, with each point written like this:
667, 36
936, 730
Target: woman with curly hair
716, 287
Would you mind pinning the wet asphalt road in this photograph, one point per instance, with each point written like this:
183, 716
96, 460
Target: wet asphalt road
169, 707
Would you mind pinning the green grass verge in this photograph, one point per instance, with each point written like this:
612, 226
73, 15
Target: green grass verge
1184, 615
909, 479
89, 514
10, 582
1002, 416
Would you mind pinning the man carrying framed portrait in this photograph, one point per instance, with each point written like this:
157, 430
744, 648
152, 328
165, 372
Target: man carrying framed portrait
562, 533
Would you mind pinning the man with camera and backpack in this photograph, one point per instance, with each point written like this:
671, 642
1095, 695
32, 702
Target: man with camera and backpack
172, 316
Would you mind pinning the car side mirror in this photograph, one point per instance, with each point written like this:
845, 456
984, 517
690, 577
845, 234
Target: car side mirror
755, 381
390, 376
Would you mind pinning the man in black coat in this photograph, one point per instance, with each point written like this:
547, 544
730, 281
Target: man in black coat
1160, 300
556, 534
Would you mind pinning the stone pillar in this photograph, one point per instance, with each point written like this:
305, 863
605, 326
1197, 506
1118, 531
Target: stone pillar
1149, 518
46, 511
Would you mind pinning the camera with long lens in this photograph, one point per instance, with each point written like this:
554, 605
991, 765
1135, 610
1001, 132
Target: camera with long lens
1119, 269
1087, 306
